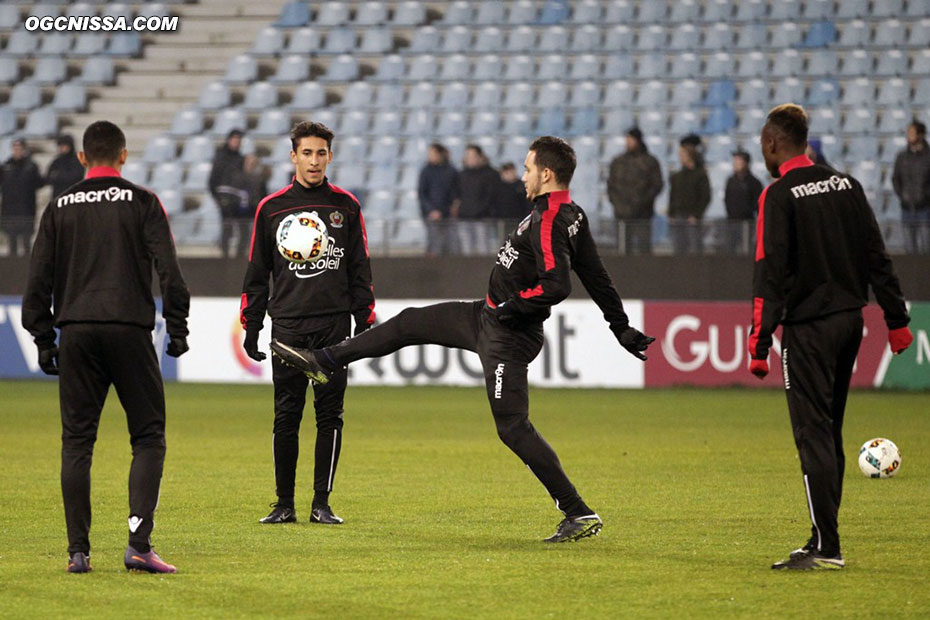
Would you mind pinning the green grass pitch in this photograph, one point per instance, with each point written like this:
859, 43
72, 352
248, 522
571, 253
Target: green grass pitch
700, 490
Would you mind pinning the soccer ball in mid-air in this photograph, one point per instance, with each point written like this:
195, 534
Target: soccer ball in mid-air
302, 237
879, 458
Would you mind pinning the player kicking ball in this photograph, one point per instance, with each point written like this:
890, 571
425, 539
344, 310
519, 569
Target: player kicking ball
531, 275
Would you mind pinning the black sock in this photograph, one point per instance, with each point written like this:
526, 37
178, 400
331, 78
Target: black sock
325, 357
320, 499
285, 502
577, 509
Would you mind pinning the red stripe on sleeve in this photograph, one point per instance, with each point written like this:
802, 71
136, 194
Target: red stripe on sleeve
532, 292
243, 302
361, 221
545, 235
756, 325
259, 210
760, 226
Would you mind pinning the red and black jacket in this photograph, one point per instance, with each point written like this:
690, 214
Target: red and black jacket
533, 269
818, 248
339, 283
93, 256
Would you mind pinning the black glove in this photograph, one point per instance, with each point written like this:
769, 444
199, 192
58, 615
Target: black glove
361, 326
177, 346
505, 312
633, 341
251, 346
48, 360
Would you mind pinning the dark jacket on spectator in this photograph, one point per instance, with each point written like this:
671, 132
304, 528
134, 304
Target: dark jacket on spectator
478, 188
64, 171
438, 188
911, 178
689, 193
634, 182
226, 181
511, 202
19, 180
742, 196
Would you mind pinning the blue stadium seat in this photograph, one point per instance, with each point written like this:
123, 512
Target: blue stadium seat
616, 121
684, 66
260, 96
619, 38
753, 93
7, 123
487, 95
451, 124
887, 8
458, 13
227, 120
308, 96
823, 92
484, 124
342, 68
552, 94
751, 121
721, 92
523, 12
197, 177
720, 120
50, 70
685, 93
894, 121
684, 37
585, 67
355, 122
890, 33
785, 34
719, 65
618, 94
491, 39
373, 13
584, 121
490, 12
890, 147
200, 148
552, 39
652, 94
294, 15
820, 34
55, 44
268, 42
585, 94
519, 95
718, 37
651, 66
785, 10
21, 43
426, 39
747, 11
684, 121
339, 41
852, 9
586, 12
423, 95
856, 63
519, 68
619, 66
587, 150
97, 70
719, 149
586, 38
336, 14
859, 148
135, 172
752, 36
25, 96
854, 34
894, 92
891, 62
241, 70
167, 175
618, 12
787, 63
517, 123
376, 41
456, 67
454, 95
158, 149
823, 62
187, 122
390, 68
303, 41
89, 44
553, 12
410, 13
919, 35
422, 68
788, 89
125, 44
551, 122
552, 67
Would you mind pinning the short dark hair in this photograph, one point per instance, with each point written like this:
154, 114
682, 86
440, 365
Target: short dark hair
557, 155
919, 127
742, 155
791, 121
103, 142
308, 129
475, 147
508, 166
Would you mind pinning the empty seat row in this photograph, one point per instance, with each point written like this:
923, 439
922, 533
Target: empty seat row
336, 40
23, 43
297, 14
68, 97
12, 15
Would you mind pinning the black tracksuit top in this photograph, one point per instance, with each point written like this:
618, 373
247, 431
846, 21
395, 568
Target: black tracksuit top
339, 283
93, 255
533, 269
818, 248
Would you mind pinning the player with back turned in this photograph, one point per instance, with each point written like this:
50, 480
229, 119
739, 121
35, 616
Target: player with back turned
312, 306
818, 249
93, 257
532, 274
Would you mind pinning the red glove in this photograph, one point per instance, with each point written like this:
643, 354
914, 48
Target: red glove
759, 368
900, 339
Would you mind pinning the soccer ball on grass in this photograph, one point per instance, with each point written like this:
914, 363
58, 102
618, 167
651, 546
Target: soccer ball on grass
879, 458
302, 237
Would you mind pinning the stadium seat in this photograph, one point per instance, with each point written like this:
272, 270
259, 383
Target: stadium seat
719, 66
720, 120
587, 149
823, 120
158, 149
201, 149
788, 89
721, 92
652, 123
167, 175
753, 93
785, 11
651, 12
456, 67
519, 68
585, 94
921, 89
524, 12
260, 96
752, 36
241, 70
390, 68
135, 172
890, 33
187, 122
423, 68
484, 124
487, 67
921, 63
752, 65
426, 39
890, 147
490, 12
50, 70
887, 8
684, 37
684, 11
352, 149
97, 70
423, 95
329, 117
454, 95
894, 121
618, 94
358, 95
552, 67
418, 124
339, 41
860, 148
554, 12
823, 63
372, 13
852, 9
719, 149
272, 123
268, 42
651, 66
551, 122
7, 122
718, 37
303, 41
517, 123
25, 96
486, 95
214, 96
382, 202
552, 39
172, 201
854, 34
88, 44
336, 14
746, 11
451, 124
282, 174
651, 38
584, 121
894, 92
518, 95
585, 67
891, 62
751, 121
294, 15
354, 123
197, 177
652, 94
227, 120
619, 66
619, 38
616, 121
9, 17
856, 63
685, 93
308, 96
342, 68
128, 44
787, 63
919, 34
586, 12
410, 13
458, 13
784, 34
491, 39
684, 66
552, 94
820, 34
55, 44
22, 43
586, 38
618, 12
683, 122
9, 70
823, 92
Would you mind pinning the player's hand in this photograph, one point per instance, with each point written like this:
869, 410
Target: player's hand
634, 341
251, 346
760, 368
48, 360
505, 312
900, 339
177, 347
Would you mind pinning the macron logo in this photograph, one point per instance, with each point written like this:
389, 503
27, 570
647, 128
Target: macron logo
112, 194
134, 523
834, 183
498, 381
